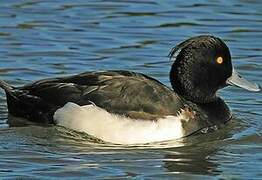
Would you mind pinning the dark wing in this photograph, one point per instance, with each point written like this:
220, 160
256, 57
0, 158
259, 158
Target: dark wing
131, 94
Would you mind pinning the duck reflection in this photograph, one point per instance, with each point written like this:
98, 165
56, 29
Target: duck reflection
192, 161
196, 157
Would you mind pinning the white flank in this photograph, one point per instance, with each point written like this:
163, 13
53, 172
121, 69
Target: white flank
117, 129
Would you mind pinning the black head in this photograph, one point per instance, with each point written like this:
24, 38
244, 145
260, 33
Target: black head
201, 66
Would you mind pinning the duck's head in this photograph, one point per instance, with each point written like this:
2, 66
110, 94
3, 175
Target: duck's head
202, 65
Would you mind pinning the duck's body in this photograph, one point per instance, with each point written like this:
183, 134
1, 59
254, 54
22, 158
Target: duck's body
111, 105
124, 93
127, 107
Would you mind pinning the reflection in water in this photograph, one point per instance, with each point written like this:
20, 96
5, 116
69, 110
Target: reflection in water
193, 155
198, 154
196, 158
75, 151
192, 160
18, 121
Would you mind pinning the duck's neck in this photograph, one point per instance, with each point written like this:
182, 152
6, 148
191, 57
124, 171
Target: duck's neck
186, 86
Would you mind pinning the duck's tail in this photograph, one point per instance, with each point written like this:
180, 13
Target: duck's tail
7, 87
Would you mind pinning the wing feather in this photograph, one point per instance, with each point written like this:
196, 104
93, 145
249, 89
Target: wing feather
120, 92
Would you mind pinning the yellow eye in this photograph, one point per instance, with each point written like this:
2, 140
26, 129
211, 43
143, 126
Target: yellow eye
219, 60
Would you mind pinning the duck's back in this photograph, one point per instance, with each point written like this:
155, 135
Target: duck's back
125, 93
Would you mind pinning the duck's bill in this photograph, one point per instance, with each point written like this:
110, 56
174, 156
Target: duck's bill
237, 80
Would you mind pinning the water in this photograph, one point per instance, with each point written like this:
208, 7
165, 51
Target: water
40, 39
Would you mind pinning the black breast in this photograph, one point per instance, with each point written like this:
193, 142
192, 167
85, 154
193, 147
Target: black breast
217, 111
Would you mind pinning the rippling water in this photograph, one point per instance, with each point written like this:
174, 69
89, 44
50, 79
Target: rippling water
40, 39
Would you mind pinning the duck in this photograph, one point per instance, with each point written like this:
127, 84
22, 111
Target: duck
125, 107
